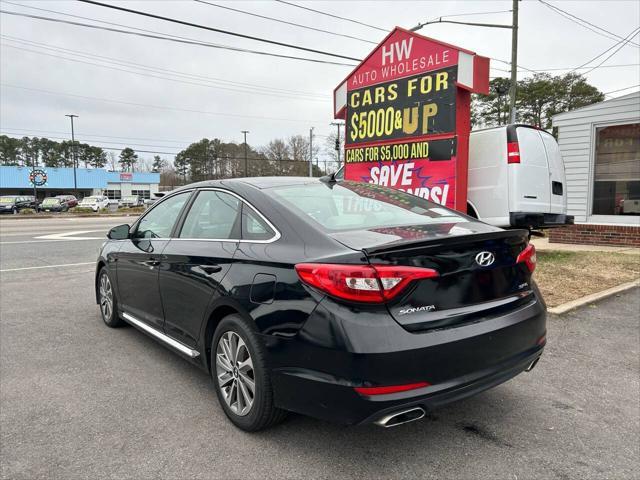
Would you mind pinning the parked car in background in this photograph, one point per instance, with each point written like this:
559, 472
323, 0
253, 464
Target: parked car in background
95, 202
15, 203
59, 203
129, 201
154, 198
344, 301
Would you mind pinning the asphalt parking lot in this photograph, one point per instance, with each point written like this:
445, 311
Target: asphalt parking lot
79, 400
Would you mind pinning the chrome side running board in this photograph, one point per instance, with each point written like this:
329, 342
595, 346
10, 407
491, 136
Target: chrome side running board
160, 336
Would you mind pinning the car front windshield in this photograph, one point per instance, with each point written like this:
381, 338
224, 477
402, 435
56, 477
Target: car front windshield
90, 200
50, 201
353, 206
7, 199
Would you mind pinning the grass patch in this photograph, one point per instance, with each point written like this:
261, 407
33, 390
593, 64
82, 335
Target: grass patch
564, 276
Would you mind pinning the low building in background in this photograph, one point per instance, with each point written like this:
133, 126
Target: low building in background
59, 181
600, 145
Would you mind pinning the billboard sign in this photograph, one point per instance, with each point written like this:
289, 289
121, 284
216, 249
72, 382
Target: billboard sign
406, 109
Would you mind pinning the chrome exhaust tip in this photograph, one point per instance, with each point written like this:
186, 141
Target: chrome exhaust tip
403, 416
531, 365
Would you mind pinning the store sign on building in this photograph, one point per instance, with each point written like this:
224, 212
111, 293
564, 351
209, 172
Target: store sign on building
126, 177
407, 114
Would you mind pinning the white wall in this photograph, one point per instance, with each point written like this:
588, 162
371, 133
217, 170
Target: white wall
576, 138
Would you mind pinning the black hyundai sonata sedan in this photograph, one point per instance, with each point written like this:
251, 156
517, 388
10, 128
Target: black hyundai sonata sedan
344, 301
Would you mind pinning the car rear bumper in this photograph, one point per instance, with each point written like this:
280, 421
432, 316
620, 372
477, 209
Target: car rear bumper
539, 220
456, 362
319, 396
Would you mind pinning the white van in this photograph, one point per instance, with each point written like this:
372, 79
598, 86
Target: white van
516, 178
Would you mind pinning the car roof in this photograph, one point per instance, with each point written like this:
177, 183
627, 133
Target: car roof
256, 182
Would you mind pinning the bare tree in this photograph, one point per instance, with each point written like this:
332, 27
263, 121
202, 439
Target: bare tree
299, 148
112, 162
276, 150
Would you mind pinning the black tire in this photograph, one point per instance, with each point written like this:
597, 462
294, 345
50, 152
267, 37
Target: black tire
109, 316
262, 413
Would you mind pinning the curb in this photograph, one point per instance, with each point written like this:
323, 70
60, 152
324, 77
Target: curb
572, 305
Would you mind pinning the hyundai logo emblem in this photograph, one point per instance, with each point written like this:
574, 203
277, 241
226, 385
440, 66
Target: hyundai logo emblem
484, 259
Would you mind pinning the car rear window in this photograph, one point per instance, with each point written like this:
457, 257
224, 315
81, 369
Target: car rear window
353, 206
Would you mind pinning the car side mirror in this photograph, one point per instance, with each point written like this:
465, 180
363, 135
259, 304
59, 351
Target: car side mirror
121, 232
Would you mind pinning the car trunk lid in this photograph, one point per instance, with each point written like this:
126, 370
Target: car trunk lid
478, 276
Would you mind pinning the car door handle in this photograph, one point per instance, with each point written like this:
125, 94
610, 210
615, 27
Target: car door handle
151, 263
210, 269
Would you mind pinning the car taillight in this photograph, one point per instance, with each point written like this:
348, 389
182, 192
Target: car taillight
361, 283
513, 152
528, 256
390, 389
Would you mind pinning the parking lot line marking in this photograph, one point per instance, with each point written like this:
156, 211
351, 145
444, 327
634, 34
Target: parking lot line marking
69, 235
57, 240
46, 266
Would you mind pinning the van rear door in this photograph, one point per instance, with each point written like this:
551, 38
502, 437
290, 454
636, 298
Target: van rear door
530, 187
558, 201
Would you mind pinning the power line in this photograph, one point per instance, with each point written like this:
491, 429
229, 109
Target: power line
150, 67
176, 39
161, 107
603, 66
281, 95
285, 22
88, 140
334, 16
622, 89
573, 18
186, 40
217, 30
619, 45
114, 148
542, 70
96, 135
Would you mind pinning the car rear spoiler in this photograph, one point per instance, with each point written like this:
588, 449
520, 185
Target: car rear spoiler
444, 241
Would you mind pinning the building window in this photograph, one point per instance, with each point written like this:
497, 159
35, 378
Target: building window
113, 194
616, 186
144, 194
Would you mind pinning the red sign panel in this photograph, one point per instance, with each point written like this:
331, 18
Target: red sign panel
406, 108
126, 177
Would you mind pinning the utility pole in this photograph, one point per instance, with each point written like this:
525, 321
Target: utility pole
246, 174
514, 64
337, 124
311, 152
35, 187
514, 50
73, 142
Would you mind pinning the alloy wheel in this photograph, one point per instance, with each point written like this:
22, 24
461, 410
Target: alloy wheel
106, 297
234, 370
